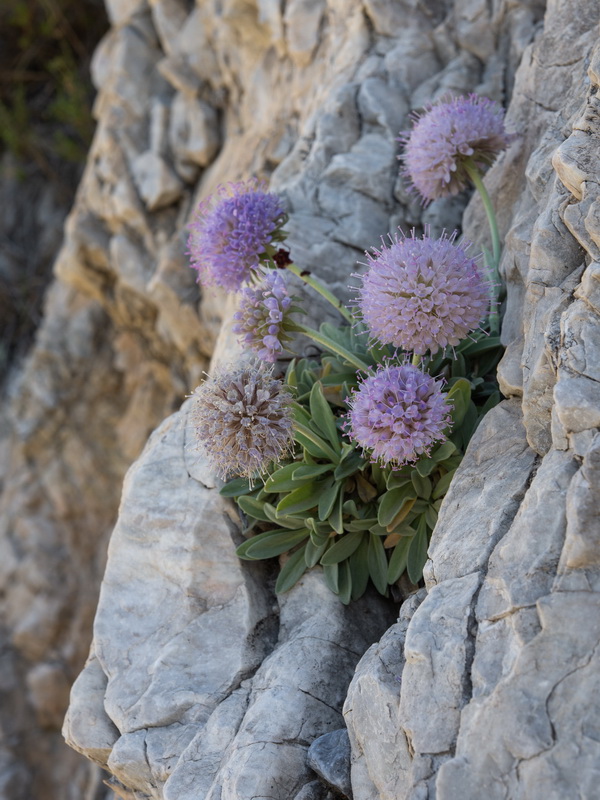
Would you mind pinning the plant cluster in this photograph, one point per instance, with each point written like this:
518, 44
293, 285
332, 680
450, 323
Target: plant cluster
345, 460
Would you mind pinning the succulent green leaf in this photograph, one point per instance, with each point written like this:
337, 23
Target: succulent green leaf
377, 562
313, 552
425, 466
310, 470
292, 523
342, 548
335, 519
327, 498
344, 582
253, 508
421, 485
459, 396
359, 568
291, 572
315, 445
392, 501
282, 480
273, 543
417, 554
301, 499
431, 516
362, 524
444, 451
331, 575
323, 415
349, 466
398, 559
236, 487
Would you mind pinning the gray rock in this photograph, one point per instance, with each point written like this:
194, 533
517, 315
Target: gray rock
329, 756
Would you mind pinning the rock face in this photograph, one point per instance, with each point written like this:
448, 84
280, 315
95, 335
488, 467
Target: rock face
498, 664
201, 683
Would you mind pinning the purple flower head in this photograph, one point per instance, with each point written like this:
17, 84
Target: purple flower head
261, 320
230, 231
423, 294
398, 413
243, 420
445, 137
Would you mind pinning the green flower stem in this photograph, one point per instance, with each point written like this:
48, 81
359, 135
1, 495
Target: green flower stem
319, 287
330, 345
416, 360
475, 176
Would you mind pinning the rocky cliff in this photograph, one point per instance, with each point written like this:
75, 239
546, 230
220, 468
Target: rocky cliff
201, 683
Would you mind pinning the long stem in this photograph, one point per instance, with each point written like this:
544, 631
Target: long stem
475, 176
319, 287
332, 346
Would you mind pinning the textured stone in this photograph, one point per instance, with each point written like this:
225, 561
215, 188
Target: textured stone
329, 756
312, 96
155, 181
467, 530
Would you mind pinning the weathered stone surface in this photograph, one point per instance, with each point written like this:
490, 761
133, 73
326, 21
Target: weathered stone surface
498, 658
313, 97
329, 756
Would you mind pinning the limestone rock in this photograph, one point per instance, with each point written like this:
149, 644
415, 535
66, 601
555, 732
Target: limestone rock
329, 756
312, 97
498, 657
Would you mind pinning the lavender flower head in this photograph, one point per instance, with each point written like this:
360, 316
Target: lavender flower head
243, 420
230, 232
261, 319
445, 137
423, 294
398, 413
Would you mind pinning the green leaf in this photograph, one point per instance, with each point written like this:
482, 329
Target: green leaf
319, 539
310, 470
392, 501
483, 346
301, 499
241, 550
236, 487
359, 568
282, 480
323, 416
253, 508
315, 445
273, 543
342, 548
417, 554
425, 466
291, 572
335, 519
291, 377
349, 466
377, 563
459, 366
293, 523
431, 517
444, 451
397, 479
331, 575
313, 552
344, 582
459, 396
422, 485
327, 499
398, 559
361, 524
